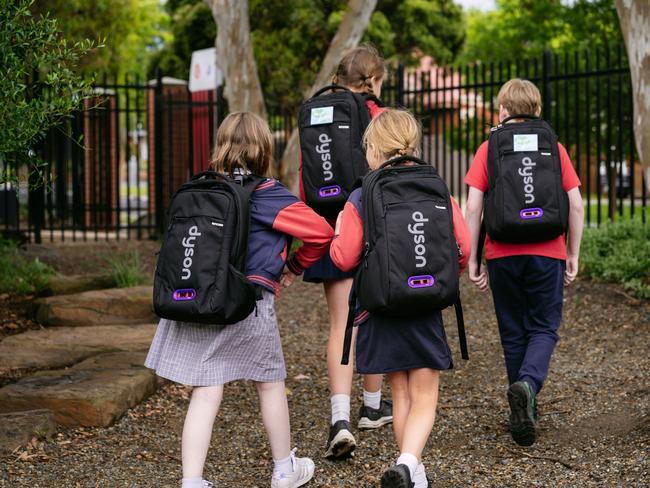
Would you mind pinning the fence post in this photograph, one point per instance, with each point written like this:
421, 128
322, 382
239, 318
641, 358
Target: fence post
546, 84
400, 86
158, 160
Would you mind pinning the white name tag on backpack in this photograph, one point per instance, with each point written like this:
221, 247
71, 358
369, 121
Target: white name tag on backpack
524, 142
322, 115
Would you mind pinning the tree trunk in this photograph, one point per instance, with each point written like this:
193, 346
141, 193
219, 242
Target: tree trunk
634, 16
235, 56
354, 23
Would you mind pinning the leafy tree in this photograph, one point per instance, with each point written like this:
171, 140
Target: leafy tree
38, 87
524, 28
130, 30
290, 38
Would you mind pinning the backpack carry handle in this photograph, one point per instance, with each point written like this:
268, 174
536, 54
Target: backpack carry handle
519, 116
402, 159
330, 87
210, 173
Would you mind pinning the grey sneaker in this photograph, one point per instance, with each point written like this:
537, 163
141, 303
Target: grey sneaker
523, 413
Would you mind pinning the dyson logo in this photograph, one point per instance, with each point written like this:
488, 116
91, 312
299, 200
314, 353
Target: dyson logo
526, 172
326, 156
188, 244
417, 230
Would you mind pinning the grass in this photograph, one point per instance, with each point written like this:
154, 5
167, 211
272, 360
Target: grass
604, 212
618, 253
19, 275
127, 270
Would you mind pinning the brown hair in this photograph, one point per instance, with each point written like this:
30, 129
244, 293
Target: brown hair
243, 142
393, 133
520, 97
358, 67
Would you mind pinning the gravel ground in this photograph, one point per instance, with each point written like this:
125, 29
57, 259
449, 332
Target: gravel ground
595, 423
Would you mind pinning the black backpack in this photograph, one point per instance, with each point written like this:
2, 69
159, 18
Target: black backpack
200, 271
331, 129
410, 261
525, 200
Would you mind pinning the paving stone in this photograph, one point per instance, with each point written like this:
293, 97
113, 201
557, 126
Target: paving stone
98, 307
94, 392
56, 347
18, 428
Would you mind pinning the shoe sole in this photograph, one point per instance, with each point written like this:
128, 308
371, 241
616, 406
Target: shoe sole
342, 445
366, 424
522, 428
304, 482
393, 479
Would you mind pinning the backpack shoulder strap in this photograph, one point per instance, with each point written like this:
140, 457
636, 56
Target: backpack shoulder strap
460, 321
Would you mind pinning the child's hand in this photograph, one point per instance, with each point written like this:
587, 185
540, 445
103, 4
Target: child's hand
478, 276
571, 270
287, 278
337, 227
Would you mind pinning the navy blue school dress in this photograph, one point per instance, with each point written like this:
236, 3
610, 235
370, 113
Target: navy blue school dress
388, 344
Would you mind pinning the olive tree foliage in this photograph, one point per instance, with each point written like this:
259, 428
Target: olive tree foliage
635, 24
39, 87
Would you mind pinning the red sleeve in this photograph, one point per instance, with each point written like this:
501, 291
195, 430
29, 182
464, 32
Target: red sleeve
374, 109
477, 176
570, 179
346, 247
301, 222
461, 231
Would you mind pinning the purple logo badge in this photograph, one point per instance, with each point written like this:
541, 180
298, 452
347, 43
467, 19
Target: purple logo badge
184, 294
330, 191
422, 281
531, 213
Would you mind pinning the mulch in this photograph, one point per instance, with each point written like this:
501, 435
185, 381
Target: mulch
594, 410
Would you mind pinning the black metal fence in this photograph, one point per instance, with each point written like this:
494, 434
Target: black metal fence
137, 140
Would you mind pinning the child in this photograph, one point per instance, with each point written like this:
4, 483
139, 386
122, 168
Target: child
362, 71
526, 279
412, 351
209, 356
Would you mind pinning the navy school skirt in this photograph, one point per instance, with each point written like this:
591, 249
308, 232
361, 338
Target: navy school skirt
389, 344
325, 270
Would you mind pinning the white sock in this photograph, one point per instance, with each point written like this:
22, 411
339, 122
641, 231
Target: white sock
372, 399
420, 478
192, 483
283, 466
409, 460
340, 408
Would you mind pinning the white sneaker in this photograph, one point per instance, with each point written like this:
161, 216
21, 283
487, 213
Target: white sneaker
303, 471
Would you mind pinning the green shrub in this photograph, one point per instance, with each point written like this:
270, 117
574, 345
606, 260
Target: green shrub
619, 253
20, 275
127, 271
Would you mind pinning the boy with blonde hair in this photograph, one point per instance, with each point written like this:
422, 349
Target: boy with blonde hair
531, 194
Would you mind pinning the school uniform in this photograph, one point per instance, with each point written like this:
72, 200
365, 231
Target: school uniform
389, 344
527, 287
324, 269
208, 355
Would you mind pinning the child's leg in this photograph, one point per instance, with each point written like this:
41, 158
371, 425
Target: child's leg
197, 430
275, 415
423, 395
510, 306
401, 403
544, 290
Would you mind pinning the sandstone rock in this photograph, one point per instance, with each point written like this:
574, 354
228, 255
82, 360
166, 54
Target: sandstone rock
94, 392
68, 284
18, 428
98, 307
56, 347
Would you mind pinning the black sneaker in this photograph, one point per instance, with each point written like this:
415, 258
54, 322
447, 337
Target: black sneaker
429, 482
341, 442
523, 407
398, 476
373, 418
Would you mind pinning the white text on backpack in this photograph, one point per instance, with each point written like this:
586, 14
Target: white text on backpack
326, 156
526, 172
417, 229
188, 244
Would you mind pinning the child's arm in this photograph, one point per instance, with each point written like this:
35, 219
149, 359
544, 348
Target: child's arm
576, 219
473, 215
462, 234
347, 245
301, 222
